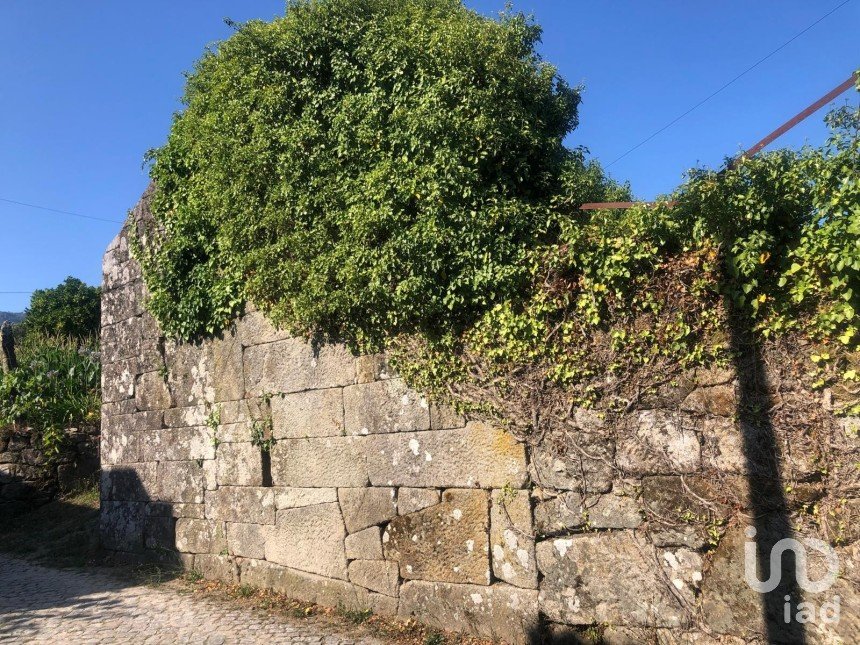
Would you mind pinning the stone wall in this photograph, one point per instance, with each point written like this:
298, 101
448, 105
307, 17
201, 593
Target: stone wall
29, 479
263, 459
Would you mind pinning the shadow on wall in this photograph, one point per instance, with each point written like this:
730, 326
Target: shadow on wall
768, 504
133, 526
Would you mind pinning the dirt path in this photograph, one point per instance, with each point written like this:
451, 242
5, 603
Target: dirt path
44, 605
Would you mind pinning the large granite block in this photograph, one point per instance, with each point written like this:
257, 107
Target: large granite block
477, 455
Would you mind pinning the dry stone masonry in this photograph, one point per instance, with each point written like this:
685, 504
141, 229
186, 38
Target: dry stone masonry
259, 458
29, 478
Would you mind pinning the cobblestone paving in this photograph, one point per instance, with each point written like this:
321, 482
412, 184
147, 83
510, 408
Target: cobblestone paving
42, 605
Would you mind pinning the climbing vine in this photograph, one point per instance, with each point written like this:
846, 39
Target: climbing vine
392, 174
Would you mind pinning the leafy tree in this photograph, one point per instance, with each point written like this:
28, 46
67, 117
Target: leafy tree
358, 168
72, 309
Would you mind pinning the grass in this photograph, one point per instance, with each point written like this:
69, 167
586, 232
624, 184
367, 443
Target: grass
63, 533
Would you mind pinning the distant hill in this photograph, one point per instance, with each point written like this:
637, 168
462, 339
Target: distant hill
11, 316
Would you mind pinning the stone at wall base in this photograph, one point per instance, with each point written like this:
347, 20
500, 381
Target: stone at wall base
500, 613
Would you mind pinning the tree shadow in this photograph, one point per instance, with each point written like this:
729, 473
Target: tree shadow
52, 565
771, 518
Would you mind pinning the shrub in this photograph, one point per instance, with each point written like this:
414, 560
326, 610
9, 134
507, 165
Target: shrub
624, 301
56, 386
357, 168
72, 308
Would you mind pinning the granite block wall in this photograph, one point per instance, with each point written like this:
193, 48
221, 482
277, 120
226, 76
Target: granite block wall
259, 458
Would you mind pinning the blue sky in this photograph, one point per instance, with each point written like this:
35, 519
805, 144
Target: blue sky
89, 86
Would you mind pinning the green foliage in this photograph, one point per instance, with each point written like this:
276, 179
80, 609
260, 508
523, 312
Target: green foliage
358, 168
56, 386
261, 434
72, 308
770, 244
391, 173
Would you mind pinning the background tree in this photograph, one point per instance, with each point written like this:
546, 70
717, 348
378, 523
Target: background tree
71, 309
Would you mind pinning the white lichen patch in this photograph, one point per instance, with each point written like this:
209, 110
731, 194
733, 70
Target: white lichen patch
562, 546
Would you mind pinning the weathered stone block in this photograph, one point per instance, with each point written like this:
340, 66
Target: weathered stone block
512, 539
187, 417
121, 525
322, 462
371, 367
575, 460
719, 400
178, 444
118, 380
190, 373
376, 575
246, 540
364, 545
148, 422
298, 497
363, 507
447, 542
136, 337
228, 380
239, 464
151, 393
614, 511
477, 455
314, 588
384, 406
255, 329
241, 504
443, 417
661, 442
500, 613
571, 511
234, 432
605, 578
158, 532
724, 443
123, 302
131, 482
410, 500
217, 567
119, 448
234, 412
681, 510
315, 413
180, 481
200, 536
117, 408
310, 538
294, 365
729, 604
176, 509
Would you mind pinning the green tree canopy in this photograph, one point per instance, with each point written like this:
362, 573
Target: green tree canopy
359, 168
72, 309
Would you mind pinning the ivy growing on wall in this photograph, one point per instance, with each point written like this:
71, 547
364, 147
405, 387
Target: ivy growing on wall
392, 174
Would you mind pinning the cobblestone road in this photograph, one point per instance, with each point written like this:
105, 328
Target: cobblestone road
42, 605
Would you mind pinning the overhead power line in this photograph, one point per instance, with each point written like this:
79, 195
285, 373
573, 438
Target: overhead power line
57, 210
738, 77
